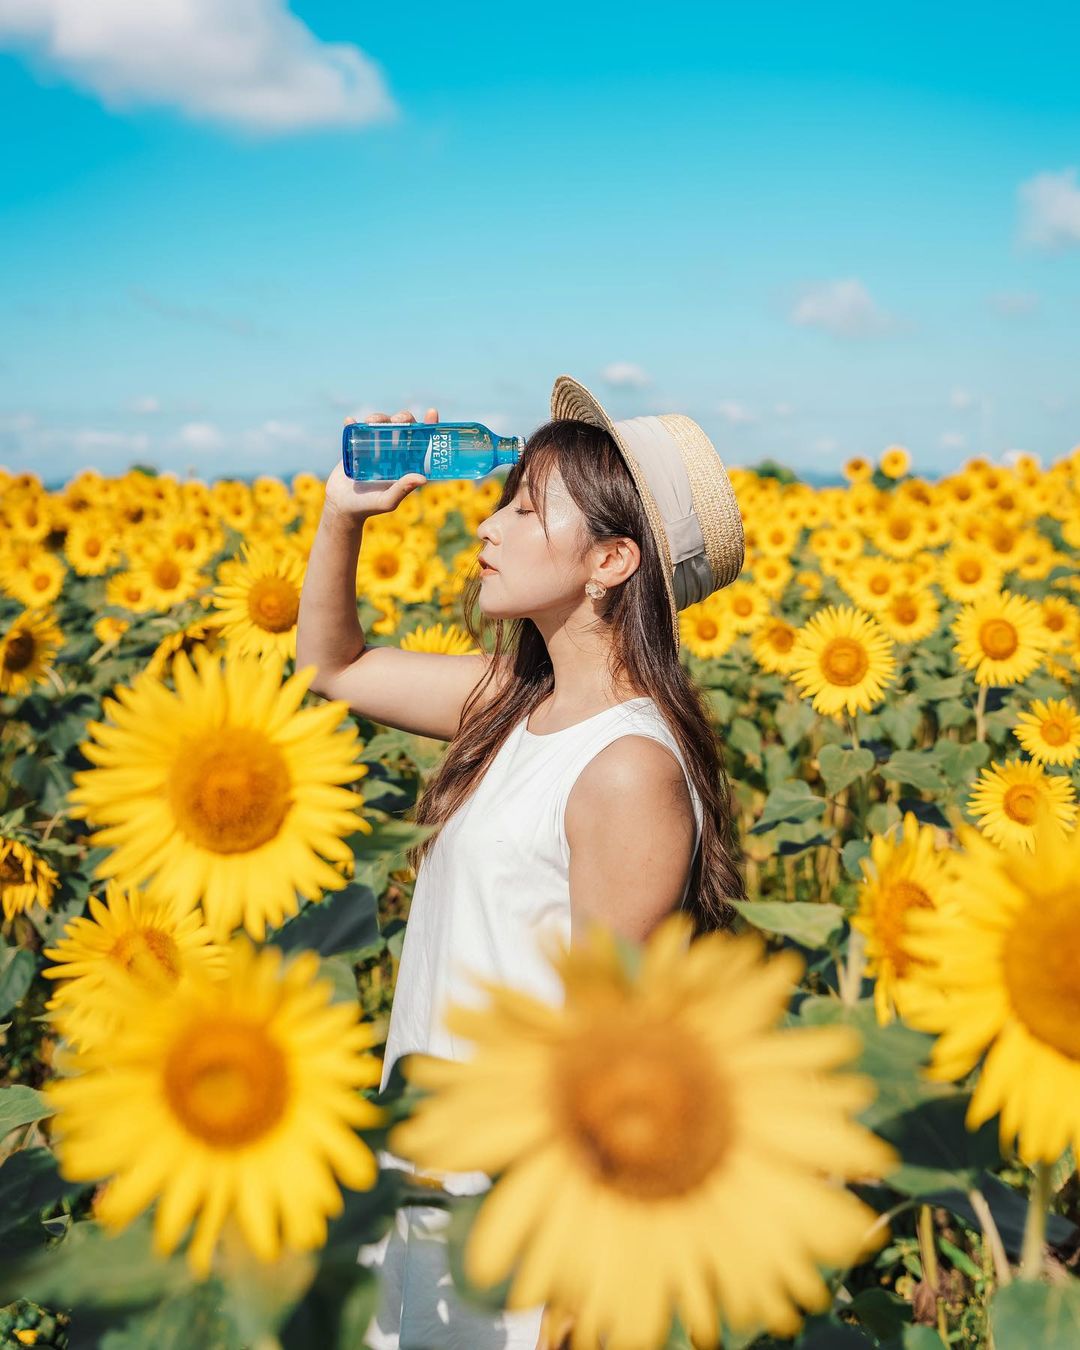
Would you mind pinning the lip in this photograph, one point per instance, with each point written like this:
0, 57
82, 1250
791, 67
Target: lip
486, 566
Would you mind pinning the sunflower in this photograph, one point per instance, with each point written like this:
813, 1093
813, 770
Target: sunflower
128, 935
638, 1125
902, 873
895, 461
233, 1098
1061, 619
707, 630
37, 582
899, 533
1050, 731
25, 878
772, 575
223, 792
204, 634
91, 547
382, 567
125, 590
870, 581
259, 604
110, 628
843, 659
1006, 958
858, 469
27, 651
389, 620
779, 538
168, 577
772, 645
1008, 797
967, 573
747, 604
452, 640
1001, 637
910, 616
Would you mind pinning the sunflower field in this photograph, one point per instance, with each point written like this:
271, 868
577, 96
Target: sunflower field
854, 1122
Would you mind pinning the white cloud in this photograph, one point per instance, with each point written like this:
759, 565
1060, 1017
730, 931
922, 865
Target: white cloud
243, 63
1050, 210
57, 452
783, 410
735, 413
1014, 303
844, 308
826, 445
625, 375
961, 399
145, 405
199, 436
953, 440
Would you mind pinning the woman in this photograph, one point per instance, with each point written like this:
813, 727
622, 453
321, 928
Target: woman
583, 780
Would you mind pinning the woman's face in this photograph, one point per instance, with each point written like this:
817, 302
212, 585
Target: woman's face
537, 572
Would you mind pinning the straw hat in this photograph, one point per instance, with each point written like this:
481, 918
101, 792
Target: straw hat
685, 489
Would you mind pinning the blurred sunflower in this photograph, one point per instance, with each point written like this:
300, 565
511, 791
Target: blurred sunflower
26, 879
257, 606
129, 936
771, 575
1061, 619
169, 578
772, 645
895, 461
203, 634
747, 604
225, 792
1001, 637
232, 1099
421, 578
1008, 797
779, 538
899, 532
638, 1125
707, 630
390, 620
91, 547
125, 590
382, 567
28, 648
870, 581
842, 660
966, 573
1050, 731
910, 616
110, 628
858, 469
1005, 957
904, 872
35, 580
452, 640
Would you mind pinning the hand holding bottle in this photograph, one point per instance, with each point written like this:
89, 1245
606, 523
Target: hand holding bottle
359, 499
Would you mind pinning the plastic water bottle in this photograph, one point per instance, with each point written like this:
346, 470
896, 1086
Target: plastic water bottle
386, 451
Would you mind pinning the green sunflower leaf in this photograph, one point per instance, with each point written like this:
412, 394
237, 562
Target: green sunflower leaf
840, 767
805, 922
1029, 1315
789, 802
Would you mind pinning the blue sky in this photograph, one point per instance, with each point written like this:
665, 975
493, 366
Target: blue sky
814, 229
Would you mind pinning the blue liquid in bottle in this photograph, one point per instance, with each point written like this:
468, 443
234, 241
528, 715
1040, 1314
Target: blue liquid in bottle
386, 451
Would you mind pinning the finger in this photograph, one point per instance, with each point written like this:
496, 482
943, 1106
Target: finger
349, 421
432, 415
403, 416
379, 417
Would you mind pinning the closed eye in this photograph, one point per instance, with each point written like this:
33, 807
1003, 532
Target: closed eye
519, 511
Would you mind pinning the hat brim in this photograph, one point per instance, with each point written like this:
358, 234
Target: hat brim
570, 399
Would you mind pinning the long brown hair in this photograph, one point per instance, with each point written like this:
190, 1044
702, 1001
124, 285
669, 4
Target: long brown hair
642, 653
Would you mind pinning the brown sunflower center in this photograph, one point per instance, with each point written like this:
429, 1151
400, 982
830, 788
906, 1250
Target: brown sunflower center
708, 629
905, 610
1041, 966
649, 1115
1020, 802
1054, 620
166, 574
231, 790
998, 639
896, 899
1054, 731
12, 872
149, 954
42, 581
273, 604
969, 571
781, 638
386, 565
743, 605
93, 547
879, 583
844, 661
19, 651
226, 1081
900, 527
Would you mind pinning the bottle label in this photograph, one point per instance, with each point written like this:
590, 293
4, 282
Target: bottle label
439, 452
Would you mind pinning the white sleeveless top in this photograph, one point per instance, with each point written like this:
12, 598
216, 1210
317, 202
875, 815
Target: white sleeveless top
495, 879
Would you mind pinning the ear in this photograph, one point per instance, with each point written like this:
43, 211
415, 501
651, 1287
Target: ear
617, 561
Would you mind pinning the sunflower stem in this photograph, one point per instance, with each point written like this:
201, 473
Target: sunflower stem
854, 731
980, 713
1031, 1253
1002, 1269
851, 975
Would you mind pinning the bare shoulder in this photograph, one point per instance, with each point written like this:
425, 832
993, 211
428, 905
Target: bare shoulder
641, 773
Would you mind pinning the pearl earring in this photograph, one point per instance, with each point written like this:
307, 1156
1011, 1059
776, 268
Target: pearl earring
595, 590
